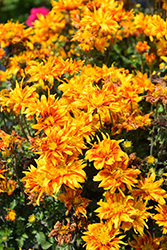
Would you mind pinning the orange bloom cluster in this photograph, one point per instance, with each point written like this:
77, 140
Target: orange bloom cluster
51, 69
124, 212
13, 33
53, 82
99, 24
107, 155
116, 102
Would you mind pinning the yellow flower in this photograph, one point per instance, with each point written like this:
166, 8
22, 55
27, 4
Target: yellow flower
150, 159
127, 144
48, 178
31, 218
63, 5
4, 238
48, 111
101, 44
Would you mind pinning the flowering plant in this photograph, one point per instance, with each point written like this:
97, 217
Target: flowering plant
83, 131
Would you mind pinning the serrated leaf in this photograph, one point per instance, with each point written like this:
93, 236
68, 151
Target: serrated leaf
41, 238
46, 245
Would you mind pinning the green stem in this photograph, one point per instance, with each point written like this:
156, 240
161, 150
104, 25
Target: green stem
24, 133
111, 118
26, 125
24, 231
142, 64
20, 185
100, 121
3, 116
152, 142
160, 154
131, 107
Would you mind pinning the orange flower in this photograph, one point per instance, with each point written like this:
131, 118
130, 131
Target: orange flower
116, 209
102, 236
73, 199
19, 98
142, 47
59, 143
161, 217
101, 44
6, 185
49, 112
113, 177
105, 153
146, 242
150, 58
139, 217
10, 186
48, 178
11, 215
33, 182
149, 189
163, 242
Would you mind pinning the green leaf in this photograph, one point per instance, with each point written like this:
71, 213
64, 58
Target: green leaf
13, 204
21, 240
41, 239
46, 245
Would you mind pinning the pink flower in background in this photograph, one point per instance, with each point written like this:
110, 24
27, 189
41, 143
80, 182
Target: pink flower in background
33, 14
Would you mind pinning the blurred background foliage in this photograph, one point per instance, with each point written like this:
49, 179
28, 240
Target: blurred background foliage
19, 9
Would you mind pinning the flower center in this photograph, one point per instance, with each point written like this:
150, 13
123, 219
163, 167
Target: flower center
62, 168
63, 230
117, 206
52, 145
77, 201
8, 139
103, 237
147, 247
